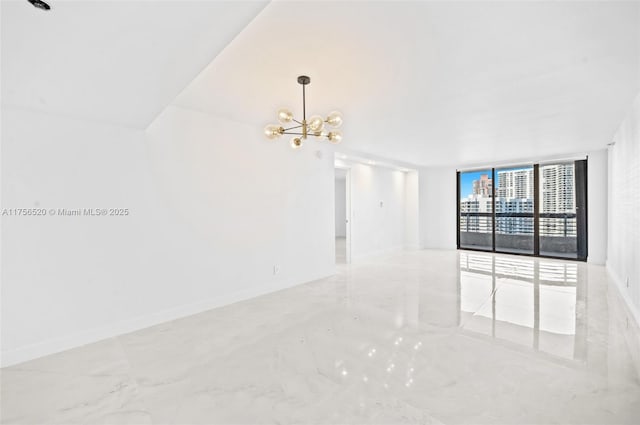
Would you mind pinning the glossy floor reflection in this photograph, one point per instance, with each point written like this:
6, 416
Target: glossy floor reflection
420, 337
532, 303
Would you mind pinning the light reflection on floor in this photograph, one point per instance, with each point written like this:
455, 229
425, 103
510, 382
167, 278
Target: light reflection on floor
429, 337
524, 301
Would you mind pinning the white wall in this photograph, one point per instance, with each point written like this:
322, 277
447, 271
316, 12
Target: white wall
623, 259
341, 207
438, 207
376, 229
213, 207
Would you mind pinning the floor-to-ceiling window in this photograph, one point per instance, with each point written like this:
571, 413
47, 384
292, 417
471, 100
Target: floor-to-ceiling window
514, 216
475, 210
534, 209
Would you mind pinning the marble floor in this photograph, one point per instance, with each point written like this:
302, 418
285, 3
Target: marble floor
420, 337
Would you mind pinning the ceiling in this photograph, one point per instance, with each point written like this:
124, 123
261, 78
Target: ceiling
427, 83
119, 62
437, 83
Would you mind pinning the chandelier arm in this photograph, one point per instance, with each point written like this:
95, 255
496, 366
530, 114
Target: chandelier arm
302, 134
299, 122
291, 128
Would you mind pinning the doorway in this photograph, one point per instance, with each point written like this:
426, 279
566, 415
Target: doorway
342, 207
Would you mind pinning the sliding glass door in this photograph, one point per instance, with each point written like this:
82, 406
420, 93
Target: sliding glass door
562, 194
537, 209
514, 210
475, 210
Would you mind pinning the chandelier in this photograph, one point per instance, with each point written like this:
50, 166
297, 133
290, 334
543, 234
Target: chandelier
314, 126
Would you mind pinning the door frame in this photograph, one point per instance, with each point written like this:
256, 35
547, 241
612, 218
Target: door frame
348, 214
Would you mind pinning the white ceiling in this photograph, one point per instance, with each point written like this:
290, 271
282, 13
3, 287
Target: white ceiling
119, 62
435, 83
428, 83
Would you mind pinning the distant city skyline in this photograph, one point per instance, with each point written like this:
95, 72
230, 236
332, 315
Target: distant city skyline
467, 178
514, 194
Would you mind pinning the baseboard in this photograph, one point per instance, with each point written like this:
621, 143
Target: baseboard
30, 352
622, 290
439, 247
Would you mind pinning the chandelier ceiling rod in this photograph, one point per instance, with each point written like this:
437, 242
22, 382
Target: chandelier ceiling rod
304, 80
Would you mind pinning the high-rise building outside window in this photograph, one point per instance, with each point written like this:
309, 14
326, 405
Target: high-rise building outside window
497, 209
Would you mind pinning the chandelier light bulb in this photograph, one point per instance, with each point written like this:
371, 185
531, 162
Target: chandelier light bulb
273, 131
334, 119
285, 116
296, 142
316, 123
335, 137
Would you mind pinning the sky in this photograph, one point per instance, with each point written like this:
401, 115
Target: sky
466, 181
467, 178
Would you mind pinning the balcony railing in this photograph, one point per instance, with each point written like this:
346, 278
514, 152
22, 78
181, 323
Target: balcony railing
558, 224
515, 231
551, 224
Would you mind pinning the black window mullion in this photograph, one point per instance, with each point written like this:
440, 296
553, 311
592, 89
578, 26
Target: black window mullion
458, 209
536, 209
493, 209
581, 208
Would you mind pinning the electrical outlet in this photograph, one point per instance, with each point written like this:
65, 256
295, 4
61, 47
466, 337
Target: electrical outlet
276, 269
